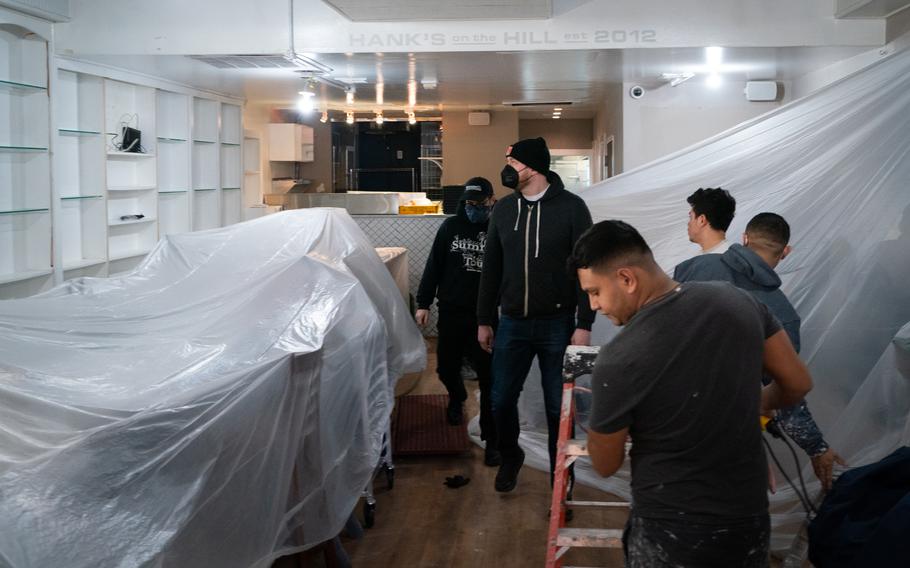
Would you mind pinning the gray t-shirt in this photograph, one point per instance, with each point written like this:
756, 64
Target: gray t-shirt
685, 376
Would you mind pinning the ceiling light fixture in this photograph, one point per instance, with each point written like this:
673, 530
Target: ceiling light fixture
714, 56
379, 119
676, 79
714, 80
305, 103
349, 118
412, 93
557, 109
411, 118
324, 118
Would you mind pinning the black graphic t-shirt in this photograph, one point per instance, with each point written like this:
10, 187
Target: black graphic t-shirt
452, 273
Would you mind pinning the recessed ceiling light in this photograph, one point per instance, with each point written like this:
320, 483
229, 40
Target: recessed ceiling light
557, 109
713, 81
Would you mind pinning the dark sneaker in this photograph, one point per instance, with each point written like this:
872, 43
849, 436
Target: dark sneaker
507, 476
492, 457
455, 412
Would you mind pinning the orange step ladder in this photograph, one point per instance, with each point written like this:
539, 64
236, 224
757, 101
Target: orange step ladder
578, 361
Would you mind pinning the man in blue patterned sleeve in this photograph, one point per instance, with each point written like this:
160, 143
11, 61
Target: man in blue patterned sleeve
750, 267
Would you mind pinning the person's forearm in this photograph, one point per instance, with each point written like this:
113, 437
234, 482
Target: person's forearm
798, 423
773, 397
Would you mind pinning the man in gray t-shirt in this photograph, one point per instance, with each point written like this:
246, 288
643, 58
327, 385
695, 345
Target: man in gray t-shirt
683, 379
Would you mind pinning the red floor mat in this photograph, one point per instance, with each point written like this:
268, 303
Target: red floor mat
419, 427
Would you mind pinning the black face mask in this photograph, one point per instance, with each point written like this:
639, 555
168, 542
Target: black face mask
509, 177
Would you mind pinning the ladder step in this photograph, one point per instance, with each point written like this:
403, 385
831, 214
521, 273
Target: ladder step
577, 448
605, 504
590, 538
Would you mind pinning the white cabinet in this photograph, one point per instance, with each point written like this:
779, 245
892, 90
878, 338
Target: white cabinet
290, 143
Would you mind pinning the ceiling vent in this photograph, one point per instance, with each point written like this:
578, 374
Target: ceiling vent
535, 103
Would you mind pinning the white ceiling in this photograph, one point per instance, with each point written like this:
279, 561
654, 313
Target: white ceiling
467, 81
425, 10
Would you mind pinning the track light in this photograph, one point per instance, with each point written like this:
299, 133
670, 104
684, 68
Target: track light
379, 119
411, 118
349, 118
305, 103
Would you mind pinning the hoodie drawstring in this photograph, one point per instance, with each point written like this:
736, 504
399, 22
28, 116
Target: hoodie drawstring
537, 250
517, 213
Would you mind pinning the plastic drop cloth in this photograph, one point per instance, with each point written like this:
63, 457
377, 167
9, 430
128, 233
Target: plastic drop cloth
836, 165
223, 404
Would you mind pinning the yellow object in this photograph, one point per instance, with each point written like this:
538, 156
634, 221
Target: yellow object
764, 421
420, 209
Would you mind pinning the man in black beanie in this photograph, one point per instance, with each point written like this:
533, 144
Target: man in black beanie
543, 310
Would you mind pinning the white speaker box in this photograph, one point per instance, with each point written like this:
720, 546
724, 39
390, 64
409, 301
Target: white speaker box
761, 90
479, 118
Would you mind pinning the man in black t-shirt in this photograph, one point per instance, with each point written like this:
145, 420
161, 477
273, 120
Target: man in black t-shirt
683, 379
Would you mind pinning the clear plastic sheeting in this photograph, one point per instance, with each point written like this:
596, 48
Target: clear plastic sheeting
836, 165
223, 404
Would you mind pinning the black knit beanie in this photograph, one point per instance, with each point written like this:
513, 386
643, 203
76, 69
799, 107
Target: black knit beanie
533, 153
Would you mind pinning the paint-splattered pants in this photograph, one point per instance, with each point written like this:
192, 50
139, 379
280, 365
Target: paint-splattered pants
662, 543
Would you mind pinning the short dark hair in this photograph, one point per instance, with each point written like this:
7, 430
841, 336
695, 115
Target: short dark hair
716, 204
606, 244
769, 231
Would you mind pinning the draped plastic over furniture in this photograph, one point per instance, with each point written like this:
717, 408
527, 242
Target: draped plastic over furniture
836, 165
222, 404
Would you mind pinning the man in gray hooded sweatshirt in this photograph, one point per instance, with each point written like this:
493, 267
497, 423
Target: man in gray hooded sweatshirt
750, 267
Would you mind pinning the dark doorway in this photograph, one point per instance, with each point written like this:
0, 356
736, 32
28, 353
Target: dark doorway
387, 157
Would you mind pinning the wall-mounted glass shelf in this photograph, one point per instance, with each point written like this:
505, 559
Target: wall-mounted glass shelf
6, 278
131, 188
204, 141
230, 144
82, 263
23, 149
166, 139
130, 254
126, 155
206, 189
8, 85
171, 191
229, 188
118, 222
23, 211
77, 132
77, 197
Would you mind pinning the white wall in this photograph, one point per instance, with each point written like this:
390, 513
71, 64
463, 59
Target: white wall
668, 119
607, 123
899, 39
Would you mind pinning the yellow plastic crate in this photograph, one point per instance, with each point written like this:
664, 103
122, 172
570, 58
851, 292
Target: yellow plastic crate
419, 209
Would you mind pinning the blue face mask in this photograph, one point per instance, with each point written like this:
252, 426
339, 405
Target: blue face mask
477, 213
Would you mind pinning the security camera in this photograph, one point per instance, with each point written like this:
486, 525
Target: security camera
637, 92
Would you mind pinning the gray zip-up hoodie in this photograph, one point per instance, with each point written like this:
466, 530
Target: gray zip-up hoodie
747, 271
524, 267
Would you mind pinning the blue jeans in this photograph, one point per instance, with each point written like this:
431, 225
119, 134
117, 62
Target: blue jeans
516, 343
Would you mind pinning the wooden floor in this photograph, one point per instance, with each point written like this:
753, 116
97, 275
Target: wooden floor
421, 523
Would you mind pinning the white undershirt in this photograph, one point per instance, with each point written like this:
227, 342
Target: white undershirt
537, 197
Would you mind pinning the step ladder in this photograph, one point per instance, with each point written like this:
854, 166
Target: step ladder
578, 361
